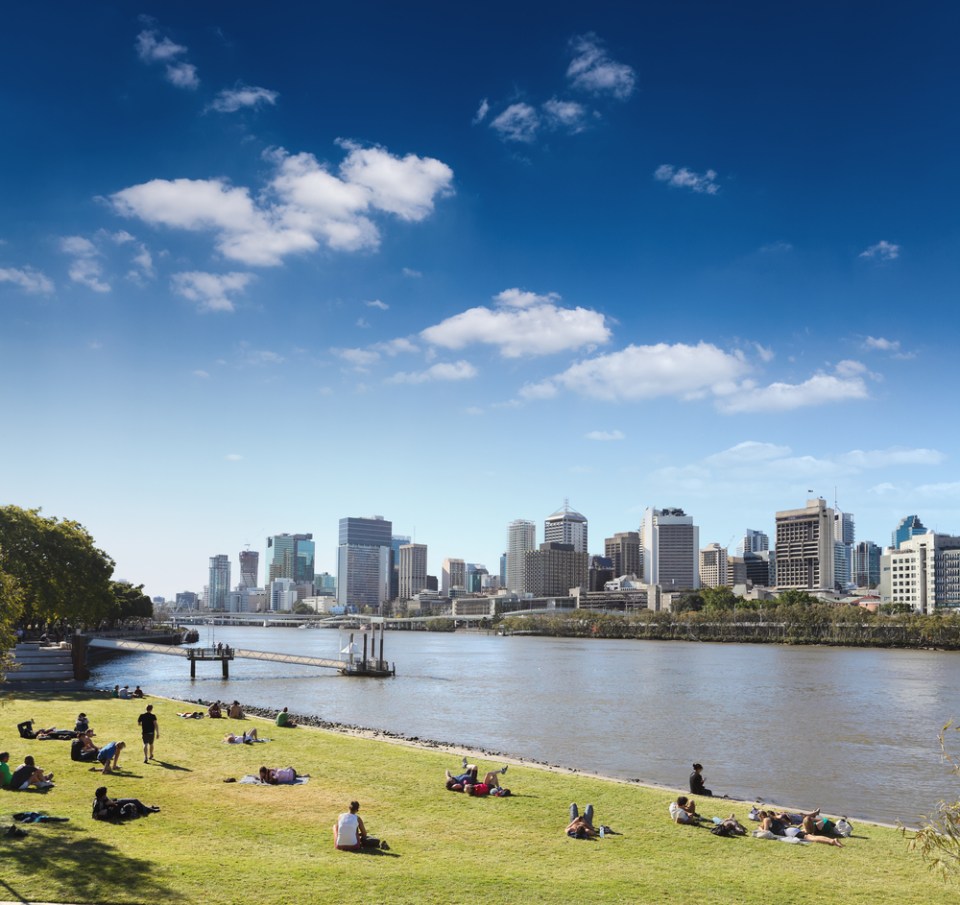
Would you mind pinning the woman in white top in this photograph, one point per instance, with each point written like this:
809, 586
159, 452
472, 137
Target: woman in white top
349, 833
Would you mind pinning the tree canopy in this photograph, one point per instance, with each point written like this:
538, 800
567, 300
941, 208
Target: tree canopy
57, 571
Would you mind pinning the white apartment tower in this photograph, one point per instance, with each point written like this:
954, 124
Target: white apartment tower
567, 526
805, 549
521, 537
713, 567
671, 549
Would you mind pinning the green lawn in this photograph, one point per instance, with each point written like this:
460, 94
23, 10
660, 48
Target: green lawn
231, 843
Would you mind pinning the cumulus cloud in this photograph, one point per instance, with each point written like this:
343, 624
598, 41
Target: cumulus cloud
210, 291
152, 47
243, 96
411, 273
568, 115
592, 70
458, 370
519, 122
648, 372
85, 268
482, 112
361, 359
681, 177
882, 251
605, 436
882, 345
28, 279
821, 389
376, 303
304, 204
524, 324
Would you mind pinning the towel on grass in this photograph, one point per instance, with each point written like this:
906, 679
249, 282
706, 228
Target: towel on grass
253, 780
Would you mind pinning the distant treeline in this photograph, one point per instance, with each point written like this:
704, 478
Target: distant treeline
784, 623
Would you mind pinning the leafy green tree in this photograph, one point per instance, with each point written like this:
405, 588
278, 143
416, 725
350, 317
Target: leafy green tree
794, 596
130, 601
59, 571
690, 601
11, 600
303, 609
938, 839
721, 598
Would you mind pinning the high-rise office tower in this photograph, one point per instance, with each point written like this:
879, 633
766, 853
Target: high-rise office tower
396, 542
249, 568
843, 540
907, 527
923, 572
567, 526
521, 537
805, 553
624, 549
453, 575
554, 569
671, 549
866, 564
413, 570
290, 556
713, 567
753, 541
363, 562
219, 585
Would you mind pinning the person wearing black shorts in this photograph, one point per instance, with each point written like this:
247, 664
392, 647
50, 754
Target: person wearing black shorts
150, 730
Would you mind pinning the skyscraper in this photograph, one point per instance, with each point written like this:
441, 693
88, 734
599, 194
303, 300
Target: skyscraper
219, 584
413, 570
363, 562
567, 526
671, 549
521, 537
713, 567
624, 549
249, 568
554, 569
805, 553
453, 575
866, 564
843, 540
907, 527
290, 556
753, 541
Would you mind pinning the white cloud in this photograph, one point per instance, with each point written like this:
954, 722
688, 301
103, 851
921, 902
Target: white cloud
482, 112
203, 375
604, 436
882, 251
568, 115
749, 452
233, 457
397, 346
821, 389
152, 47
376, 303
647, 372
143, 261
527, 325
849, 368
939, 491
410, 272
363, 323
895, 455
232, 99
443, 371
28, 279
211, 291
85, 268
303, 205
702, 183
258, 357
765, 353
183, 75
592, 70
361, 359
882, 345
545, 389
519, 122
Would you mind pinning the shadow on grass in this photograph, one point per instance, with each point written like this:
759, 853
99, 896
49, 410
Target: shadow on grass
85, 868
379, 852
169, 766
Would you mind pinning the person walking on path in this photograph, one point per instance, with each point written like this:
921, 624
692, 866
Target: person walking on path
150, 729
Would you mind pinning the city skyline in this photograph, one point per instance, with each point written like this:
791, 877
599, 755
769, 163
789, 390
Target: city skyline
259, 271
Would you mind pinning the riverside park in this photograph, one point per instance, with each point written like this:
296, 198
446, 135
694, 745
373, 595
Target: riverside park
219, 841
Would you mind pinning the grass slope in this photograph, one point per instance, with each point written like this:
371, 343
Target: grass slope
235, 843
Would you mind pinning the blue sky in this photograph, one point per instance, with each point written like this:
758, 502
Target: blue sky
260, 270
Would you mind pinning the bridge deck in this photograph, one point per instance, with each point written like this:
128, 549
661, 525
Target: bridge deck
185, 652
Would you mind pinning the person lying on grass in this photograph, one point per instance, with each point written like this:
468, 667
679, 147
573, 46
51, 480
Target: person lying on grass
581, 825
350, 835
105, 808
248, 738
278, 777
468, 778
776, 824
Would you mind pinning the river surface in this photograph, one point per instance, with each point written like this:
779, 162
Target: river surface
851, 730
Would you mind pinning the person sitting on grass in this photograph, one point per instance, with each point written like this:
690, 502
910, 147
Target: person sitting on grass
105, 808
284, 721
820, 829
214, 712
111, 751
696, 782
5, 772
83, 724
684, 810
29, 774
350, 835
82, 747
137, 692
236, 711
281, 776
581, 825
248, 738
